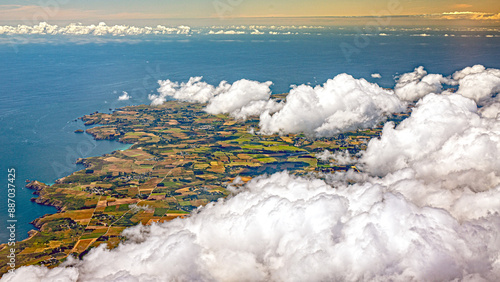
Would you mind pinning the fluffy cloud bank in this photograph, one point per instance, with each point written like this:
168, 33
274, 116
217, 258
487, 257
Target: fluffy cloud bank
339, 157
100, 29
341, 104
477, 82
194, 91
242, 99
444, 135
284, 228
445, 155
415, 85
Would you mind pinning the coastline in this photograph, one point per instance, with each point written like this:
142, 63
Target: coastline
178, 159
39, 187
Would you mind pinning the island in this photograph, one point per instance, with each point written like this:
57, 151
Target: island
181, 158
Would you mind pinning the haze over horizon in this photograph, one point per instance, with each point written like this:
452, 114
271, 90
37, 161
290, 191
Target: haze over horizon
198, 12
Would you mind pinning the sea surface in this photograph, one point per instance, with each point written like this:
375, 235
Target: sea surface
47, 84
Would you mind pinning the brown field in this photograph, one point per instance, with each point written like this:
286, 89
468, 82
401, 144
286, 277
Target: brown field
82, 245
150, 184
123, 201
156, 197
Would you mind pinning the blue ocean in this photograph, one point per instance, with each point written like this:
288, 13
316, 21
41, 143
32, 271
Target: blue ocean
46, 85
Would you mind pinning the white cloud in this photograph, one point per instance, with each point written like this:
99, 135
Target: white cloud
101, 32
241, 99
257, 32
124, 97
415, 85
341, 104
376, 75
98, 30
256, 108
491, 111
284, 228
230, 32
478, 83
194, 91
240, 95
339, 157
444, 141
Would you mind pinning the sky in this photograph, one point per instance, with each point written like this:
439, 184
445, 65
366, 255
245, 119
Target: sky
128, 11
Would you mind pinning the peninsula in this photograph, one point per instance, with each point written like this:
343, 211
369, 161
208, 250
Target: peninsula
181, 158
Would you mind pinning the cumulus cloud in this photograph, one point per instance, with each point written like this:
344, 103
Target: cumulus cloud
285, 228
478, 83
241, 94
339, 157
124, 97
341, 104
491, 111
241, 99
98, 30
444, 141
376, 75
194, 91
256, 108
415, 85
231, 32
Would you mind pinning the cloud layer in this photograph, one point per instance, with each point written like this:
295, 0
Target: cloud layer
99, 30
338, 157
103, 30
284, 228
445, 155
415, 85
478, 83
341, 104
194, 91
242, 99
